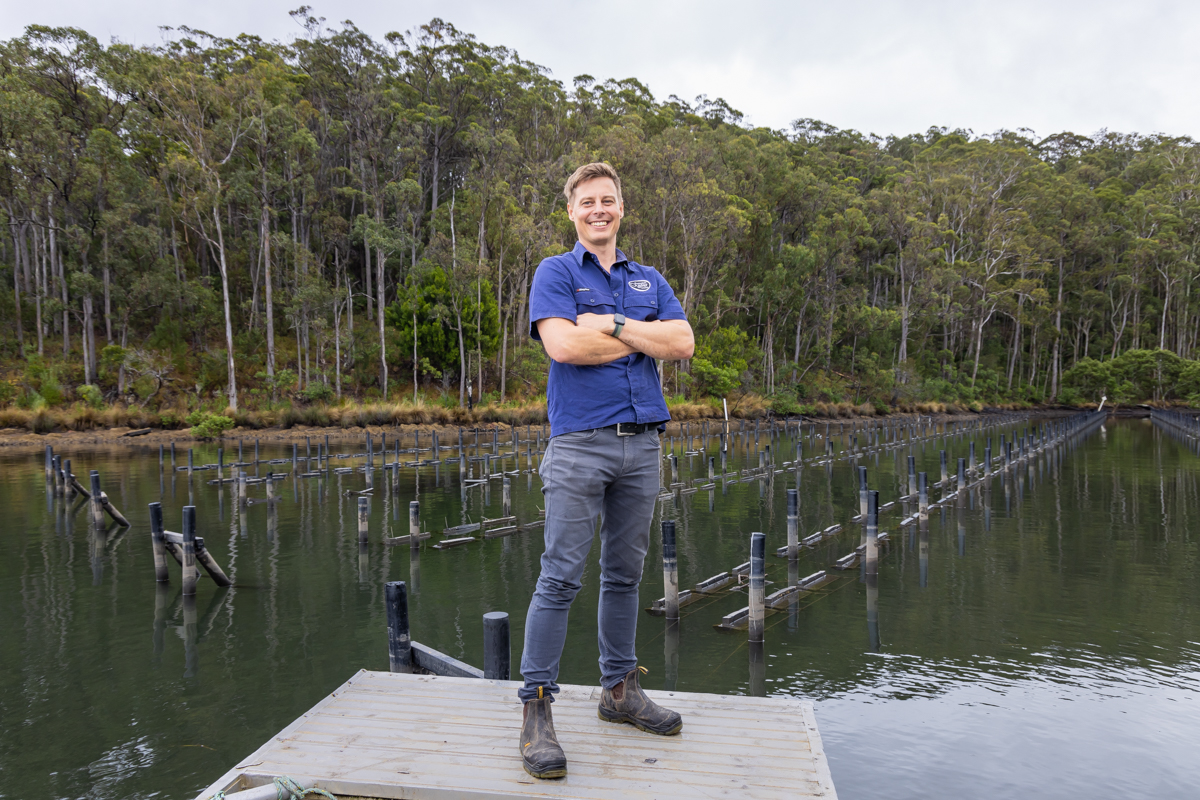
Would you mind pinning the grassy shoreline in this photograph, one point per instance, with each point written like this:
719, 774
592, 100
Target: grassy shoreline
108, 427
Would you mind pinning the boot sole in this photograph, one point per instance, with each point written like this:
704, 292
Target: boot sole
625, 718
556, 772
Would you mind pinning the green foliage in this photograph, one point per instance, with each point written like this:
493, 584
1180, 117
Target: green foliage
784, 402
283, 382
830, 265
439, 307
208, 426
43, 381
91, 395
1134, 376
721, 361
112, 357
317, 393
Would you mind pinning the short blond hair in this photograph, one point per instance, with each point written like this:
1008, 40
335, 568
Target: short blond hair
597, 169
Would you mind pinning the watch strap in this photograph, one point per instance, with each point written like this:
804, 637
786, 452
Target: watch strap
619, 323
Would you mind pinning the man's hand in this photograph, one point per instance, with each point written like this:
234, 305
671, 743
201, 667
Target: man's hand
604, 323
589, 339
570, 343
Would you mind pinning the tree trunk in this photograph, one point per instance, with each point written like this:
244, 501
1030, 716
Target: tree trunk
56, 266
462, 356
39, 280
504, 359
264, 226
107, 295
337, 322
17, 258
233, 399
89, 339
383, 370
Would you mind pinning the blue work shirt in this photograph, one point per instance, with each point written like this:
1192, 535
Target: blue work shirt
582, 397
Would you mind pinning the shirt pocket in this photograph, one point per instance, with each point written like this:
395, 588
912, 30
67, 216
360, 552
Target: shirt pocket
643, 308
590, 301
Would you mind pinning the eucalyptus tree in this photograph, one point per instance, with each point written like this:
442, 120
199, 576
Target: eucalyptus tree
205, 101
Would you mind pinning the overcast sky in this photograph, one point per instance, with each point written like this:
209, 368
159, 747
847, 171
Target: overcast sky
879, 67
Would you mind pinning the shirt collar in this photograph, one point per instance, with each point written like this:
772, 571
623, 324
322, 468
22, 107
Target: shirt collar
580, 253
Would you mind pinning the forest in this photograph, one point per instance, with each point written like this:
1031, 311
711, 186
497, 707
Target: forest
236, 224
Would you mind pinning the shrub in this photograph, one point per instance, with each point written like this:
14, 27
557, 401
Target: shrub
317, 393
90, 394
209, 426
784, 403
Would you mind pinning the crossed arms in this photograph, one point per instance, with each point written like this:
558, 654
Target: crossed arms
588, 339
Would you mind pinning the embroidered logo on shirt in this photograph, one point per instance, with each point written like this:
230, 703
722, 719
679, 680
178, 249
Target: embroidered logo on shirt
583, 290
640, 286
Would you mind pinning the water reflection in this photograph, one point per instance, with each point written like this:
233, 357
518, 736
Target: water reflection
307, 596
671, 655
758, 669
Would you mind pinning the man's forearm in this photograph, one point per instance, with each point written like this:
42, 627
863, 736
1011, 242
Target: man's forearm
660, 339
584, 346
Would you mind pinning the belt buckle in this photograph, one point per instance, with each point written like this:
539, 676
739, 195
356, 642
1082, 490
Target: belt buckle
631, 433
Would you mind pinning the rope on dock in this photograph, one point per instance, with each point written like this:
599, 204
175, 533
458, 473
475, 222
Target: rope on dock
285, 788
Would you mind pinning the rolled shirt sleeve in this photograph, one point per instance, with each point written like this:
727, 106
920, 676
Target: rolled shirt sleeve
668, 304
552, 295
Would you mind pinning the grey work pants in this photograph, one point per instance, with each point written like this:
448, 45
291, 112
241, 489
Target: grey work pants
585, 475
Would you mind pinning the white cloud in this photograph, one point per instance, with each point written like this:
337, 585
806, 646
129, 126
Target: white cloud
882, 67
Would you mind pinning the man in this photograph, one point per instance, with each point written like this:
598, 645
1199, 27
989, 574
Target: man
603, 320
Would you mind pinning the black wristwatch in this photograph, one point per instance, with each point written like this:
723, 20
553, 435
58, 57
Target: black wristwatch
619, 320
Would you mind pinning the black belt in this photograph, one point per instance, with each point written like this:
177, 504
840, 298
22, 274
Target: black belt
631, 428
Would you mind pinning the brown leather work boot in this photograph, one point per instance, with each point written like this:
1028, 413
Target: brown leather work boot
626, 702
540, 754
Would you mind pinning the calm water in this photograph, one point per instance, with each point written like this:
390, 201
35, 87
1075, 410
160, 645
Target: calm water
1052, 648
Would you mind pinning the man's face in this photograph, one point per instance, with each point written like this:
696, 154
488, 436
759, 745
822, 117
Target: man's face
596, 212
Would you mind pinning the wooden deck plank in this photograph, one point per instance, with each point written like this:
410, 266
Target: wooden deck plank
391, 736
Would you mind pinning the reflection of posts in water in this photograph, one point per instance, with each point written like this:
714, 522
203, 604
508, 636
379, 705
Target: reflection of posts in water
96, 548
757, 590
758, 669
873, 612
272, 522
794, 600
364, 561
671, 656
414, 568
162, 594
960, 515
923, 549
191, 654
987, 506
